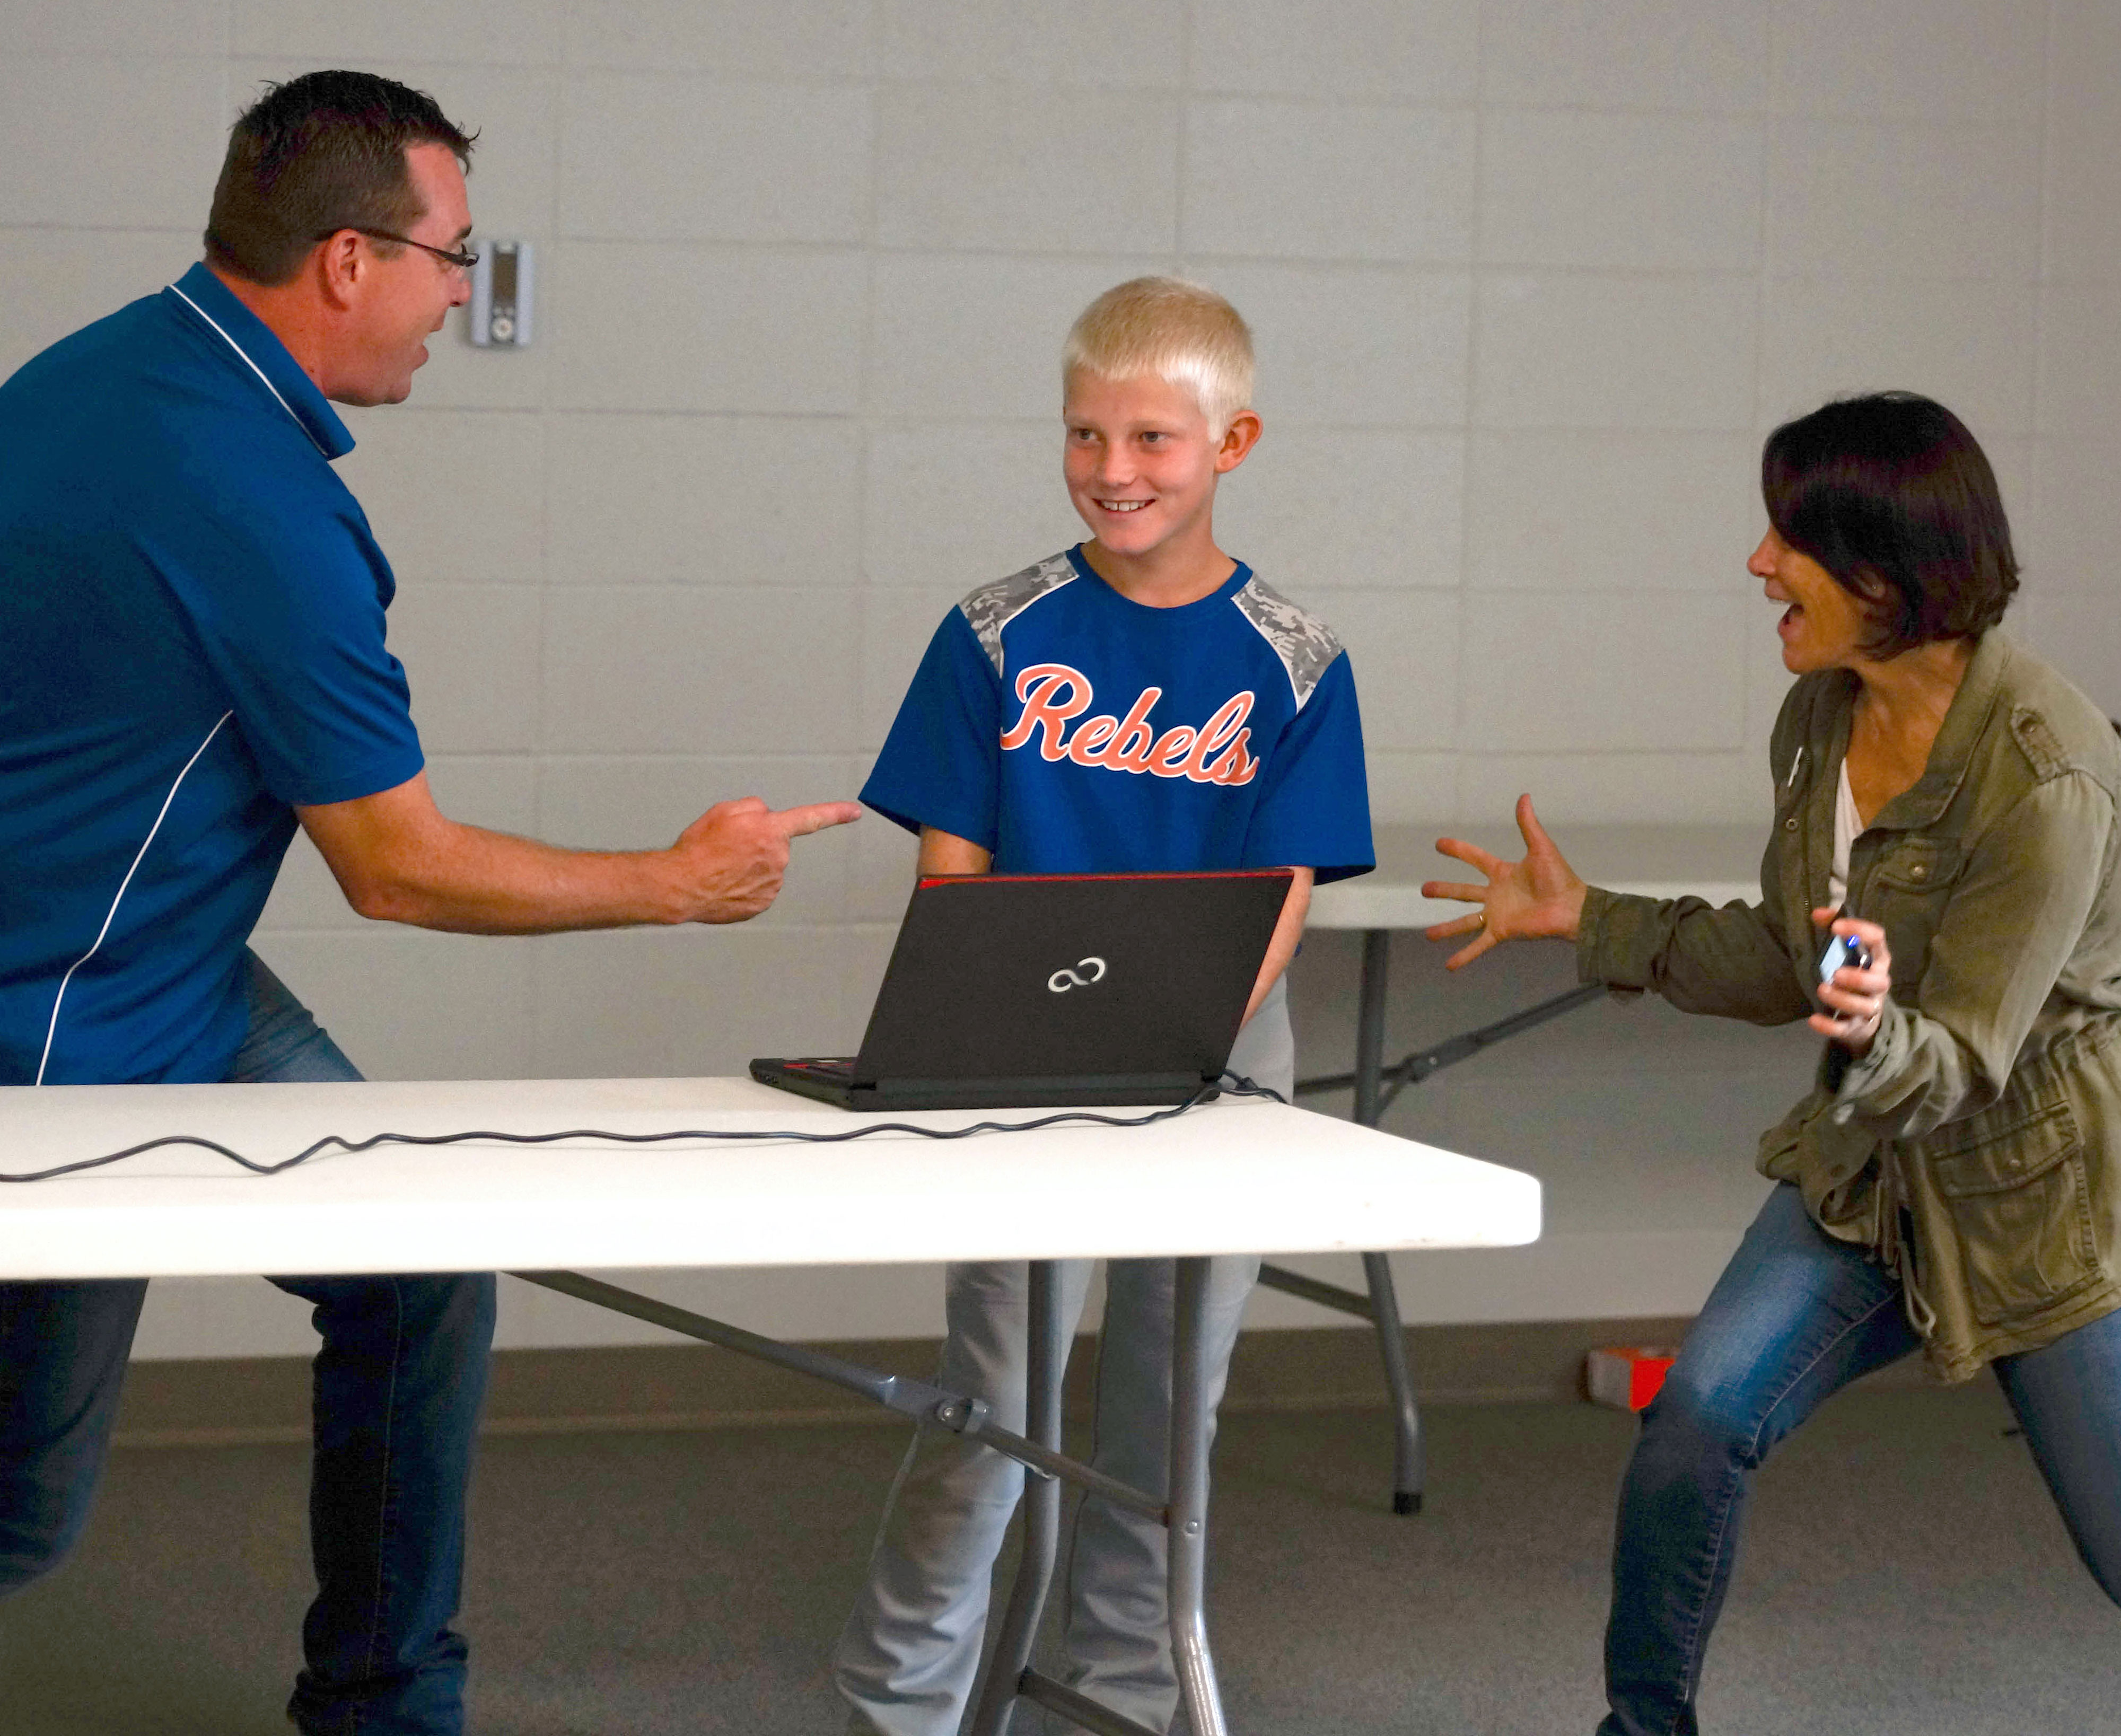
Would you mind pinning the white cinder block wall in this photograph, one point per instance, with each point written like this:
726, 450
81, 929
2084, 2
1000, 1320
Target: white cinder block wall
1531, 280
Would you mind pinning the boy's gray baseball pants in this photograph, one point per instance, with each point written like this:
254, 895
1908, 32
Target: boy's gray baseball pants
910, 1650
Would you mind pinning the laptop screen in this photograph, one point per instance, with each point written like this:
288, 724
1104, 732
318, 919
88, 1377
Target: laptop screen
1071, 976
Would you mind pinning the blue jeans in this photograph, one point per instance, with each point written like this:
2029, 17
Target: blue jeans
398, 1382
1795, 1318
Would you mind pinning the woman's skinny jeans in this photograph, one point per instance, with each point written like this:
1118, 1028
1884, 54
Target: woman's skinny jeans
1795, 1318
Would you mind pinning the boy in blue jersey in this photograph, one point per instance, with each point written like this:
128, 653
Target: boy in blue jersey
1139, 702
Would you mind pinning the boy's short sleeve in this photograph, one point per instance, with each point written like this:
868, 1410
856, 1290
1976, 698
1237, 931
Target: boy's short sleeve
1314, 810
940, 765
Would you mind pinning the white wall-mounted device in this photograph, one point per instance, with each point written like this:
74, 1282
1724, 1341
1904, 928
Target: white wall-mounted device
500, 299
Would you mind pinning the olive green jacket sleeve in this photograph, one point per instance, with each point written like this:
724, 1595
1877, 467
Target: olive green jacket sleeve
1730, 961
1741, 961
2016, 917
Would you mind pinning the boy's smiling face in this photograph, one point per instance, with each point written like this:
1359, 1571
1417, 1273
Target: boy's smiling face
1141, 462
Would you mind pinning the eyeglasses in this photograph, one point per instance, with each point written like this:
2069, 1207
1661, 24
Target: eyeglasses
462, 261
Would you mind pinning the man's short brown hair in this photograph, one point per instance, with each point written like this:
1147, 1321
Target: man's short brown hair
322, 153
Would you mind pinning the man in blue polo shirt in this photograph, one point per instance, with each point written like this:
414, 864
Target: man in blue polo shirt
192, 663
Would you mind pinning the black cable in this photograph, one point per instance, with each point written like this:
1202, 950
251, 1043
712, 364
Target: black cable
1235, 1083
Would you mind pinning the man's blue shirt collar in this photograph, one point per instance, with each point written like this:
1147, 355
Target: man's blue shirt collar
254, 349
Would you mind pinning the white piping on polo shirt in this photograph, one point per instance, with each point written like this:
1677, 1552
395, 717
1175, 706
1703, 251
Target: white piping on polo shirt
58, 1000
110, 915
251, 365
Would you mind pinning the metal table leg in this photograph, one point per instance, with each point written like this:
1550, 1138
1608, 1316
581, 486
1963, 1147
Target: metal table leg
1380, 1307
1370, 1025
1410, 1449
1409, 1455
1046, 1361
1043, 1462
1188, 1569
1185, 1521
1380, 1303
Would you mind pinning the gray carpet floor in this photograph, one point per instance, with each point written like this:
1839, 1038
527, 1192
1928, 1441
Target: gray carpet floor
1905, 1573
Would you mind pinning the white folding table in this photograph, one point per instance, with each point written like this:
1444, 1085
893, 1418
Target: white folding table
1718, 863
1235, 1176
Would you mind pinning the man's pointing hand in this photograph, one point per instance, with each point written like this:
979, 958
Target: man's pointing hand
729, 862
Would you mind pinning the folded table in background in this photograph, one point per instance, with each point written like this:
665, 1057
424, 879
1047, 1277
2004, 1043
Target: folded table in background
1231, 1177
1718, 863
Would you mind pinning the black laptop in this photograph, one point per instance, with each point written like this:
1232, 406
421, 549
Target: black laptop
1031, 991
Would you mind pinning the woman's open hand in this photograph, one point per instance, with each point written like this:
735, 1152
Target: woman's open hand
1855, 1000
1536, 899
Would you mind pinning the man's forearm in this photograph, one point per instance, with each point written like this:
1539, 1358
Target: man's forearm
399, 860
468, 880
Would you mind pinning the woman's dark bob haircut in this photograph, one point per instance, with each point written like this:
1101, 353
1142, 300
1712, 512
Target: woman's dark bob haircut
1895, 498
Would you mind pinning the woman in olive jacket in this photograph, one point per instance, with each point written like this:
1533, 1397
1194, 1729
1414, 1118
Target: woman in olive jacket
1948, 800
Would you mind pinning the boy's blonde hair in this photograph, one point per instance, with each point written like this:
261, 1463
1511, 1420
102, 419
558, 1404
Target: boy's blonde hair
1178, 331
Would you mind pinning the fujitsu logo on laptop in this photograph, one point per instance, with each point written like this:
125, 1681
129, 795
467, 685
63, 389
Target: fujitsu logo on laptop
1052, 694
1065, 978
